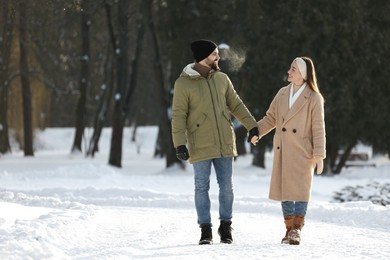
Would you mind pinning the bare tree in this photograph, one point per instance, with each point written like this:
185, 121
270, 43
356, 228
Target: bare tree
7, 21
104, 104
84, 77
25, 81
164, 146
124, 84
121, 62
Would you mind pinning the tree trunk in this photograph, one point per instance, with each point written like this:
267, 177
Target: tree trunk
125, 84
25, 82
7, 22
84, 79
5, 146
332, 153
343, 159
259, 154
170, 150
164, 144
101, 114
115, 158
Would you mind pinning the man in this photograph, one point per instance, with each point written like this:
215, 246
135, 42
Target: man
203, 101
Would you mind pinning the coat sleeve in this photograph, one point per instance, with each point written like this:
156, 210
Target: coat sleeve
268, 122
238, 108
318, 127
179, 114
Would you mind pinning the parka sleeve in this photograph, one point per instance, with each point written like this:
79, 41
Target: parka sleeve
179, 114
238, 108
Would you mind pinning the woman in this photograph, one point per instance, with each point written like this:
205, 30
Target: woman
297, 113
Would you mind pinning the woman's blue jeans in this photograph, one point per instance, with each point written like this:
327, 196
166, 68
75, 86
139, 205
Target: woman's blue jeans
223, 169
293, 208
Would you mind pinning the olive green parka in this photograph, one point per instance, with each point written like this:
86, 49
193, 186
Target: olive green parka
201, 114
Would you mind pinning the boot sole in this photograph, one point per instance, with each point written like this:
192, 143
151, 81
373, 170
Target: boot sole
205, 242
227, 241
285, 241
295, 243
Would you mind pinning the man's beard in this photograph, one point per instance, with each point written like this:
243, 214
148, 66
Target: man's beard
214, 65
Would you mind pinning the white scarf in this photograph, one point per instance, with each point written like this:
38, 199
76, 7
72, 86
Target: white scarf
294, 97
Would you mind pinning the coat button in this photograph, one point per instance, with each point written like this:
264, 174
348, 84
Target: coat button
294, 130
197, 125
284, 129
278, 147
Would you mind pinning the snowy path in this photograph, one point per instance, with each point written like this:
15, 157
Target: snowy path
60, 206
163, 233
141, 233
124, 223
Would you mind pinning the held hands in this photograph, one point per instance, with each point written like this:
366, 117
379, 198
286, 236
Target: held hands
182, 153
253, 136
319, 164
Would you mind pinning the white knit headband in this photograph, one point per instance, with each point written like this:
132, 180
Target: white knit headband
302, 67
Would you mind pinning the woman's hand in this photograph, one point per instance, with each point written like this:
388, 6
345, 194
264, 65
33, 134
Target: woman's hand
319, 164
253, 136
254, 140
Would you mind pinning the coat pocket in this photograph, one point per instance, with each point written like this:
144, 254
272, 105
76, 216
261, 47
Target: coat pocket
201, 133
308, 148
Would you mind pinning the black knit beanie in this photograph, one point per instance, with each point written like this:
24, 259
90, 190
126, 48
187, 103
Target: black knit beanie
202, 49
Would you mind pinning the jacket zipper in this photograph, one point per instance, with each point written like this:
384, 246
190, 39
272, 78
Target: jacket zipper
216, 119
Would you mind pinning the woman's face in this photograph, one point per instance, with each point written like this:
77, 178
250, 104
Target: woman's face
294, 75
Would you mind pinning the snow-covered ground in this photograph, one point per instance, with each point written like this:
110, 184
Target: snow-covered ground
61, 206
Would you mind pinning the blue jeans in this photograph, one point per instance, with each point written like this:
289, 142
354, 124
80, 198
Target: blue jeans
223, 169
293, 208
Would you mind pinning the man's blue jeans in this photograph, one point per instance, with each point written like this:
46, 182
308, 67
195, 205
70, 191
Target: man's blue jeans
223, 169
293, 208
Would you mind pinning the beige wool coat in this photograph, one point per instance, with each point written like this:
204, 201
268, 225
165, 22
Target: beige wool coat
299, 137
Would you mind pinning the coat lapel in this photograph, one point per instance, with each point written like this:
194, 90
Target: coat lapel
284, 102
299, 103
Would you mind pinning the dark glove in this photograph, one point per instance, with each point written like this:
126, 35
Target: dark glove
253, 132
182, 153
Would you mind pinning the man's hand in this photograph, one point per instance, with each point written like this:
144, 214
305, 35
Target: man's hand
253, 136
319, 164
182, 153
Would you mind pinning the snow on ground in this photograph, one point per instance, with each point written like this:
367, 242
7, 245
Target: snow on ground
61, 206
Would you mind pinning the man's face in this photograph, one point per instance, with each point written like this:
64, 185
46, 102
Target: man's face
212, 59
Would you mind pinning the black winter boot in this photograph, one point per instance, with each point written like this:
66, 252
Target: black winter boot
225, 231
207, 235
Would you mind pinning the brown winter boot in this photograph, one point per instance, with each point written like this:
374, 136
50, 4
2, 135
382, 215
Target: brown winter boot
288, 221
294, 236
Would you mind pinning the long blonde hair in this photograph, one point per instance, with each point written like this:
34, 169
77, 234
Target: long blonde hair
311, 75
